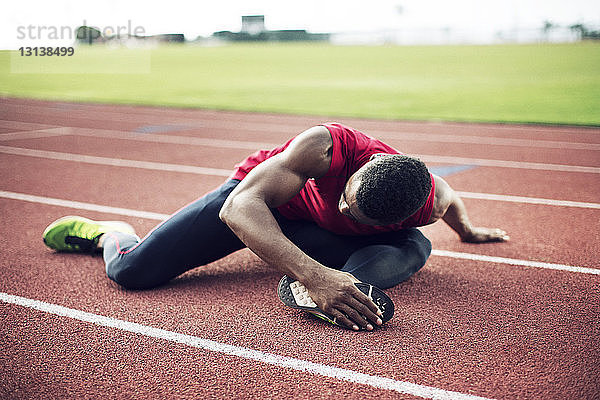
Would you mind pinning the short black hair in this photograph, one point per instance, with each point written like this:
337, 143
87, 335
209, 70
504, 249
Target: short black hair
392, 188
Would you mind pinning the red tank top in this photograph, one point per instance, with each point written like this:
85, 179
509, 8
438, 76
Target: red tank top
318, 200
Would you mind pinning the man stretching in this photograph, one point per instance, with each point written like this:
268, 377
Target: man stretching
329, 208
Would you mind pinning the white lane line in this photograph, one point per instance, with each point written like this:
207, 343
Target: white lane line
222, 172
514, 261
226, 173
494, 141
115, 162
83, 206
435, 138
36, 134
301, 123
161, 217
297, 364
220, 120
18, 126
415, 137
527, 200
173, 139
507, 164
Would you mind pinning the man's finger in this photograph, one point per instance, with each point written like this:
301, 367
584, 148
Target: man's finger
498, 235
503, 235
356, 317
360, 312
374, 317
341, 319
366, 300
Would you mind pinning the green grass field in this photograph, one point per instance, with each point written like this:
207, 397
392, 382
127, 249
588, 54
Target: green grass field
508, 83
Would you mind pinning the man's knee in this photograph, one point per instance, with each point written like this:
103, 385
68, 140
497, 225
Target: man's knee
424, 248
384, 266
417, 246
401, 263
130, 276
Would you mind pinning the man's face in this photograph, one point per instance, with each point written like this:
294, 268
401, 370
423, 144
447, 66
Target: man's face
348, 205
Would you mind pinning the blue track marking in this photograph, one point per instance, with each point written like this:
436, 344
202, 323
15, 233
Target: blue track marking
445, 170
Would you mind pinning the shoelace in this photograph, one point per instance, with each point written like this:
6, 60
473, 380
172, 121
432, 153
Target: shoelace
86, 245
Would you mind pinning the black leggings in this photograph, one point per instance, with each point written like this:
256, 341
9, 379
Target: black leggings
195, 236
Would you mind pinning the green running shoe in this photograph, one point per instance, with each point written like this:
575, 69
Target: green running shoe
78, 234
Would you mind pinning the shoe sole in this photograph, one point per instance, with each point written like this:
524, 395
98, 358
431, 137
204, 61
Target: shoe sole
293, 294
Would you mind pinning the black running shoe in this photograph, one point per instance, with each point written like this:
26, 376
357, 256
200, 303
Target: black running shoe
293, 294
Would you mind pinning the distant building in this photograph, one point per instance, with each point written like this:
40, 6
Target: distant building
253, 24
253, 30
167, 38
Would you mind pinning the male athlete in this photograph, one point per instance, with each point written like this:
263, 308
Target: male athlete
330, 208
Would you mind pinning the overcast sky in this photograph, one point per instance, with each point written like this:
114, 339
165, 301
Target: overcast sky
197, 17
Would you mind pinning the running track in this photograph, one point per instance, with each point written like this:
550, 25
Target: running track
513, 320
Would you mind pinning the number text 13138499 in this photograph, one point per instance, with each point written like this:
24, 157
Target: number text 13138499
47, 51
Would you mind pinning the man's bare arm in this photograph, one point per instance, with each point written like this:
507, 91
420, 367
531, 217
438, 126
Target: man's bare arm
449, 207
271, 184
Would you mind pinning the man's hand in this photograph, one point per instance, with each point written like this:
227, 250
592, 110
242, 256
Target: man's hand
449, 207
335, 293
483, 235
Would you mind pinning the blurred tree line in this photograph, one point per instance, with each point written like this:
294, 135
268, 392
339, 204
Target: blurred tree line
582, 31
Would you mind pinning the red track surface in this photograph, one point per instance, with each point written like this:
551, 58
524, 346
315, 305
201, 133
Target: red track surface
474, 327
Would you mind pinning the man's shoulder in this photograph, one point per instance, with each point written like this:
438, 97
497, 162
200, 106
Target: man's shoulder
345, 132
442, 199
310, 152
316, 140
